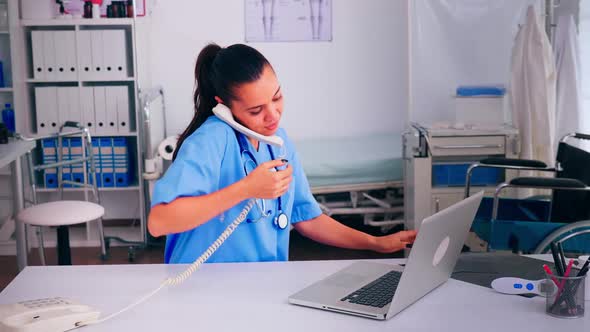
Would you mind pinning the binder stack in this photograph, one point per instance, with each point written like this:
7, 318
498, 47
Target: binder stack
106, 161
65, 156
102, 55
49, 155
77, 170
121, 158
96, 154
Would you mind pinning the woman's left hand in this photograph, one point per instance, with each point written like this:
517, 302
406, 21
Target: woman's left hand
394, 242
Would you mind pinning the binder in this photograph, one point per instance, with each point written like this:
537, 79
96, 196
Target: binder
60, 59
107, 161
68, 105
96, 39
115, 55
97, 163
47, 113
123, 120
63, 105
111, 109
74, 113
65, 156
49, 55
100, 111
75, 153
87, 108
84, 52
121, 157
49, 155
38, 58
62, 68
65, 49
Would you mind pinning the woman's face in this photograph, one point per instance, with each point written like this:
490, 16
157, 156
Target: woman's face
259, 104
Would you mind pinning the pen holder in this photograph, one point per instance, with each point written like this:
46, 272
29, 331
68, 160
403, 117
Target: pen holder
565, 297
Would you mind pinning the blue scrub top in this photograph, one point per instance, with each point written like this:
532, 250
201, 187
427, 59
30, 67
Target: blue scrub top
210, 160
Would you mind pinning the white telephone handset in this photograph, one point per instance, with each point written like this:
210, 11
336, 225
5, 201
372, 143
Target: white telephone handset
50, 314
224, 113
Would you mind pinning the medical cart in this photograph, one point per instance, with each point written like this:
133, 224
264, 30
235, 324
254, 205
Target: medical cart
436, 162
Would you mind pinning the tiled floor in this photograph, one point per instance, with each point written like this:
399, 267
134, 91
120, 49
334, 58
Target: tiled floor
301, 248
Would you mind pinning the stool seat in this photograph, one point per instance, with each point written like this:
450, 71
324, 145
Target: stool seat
61, 213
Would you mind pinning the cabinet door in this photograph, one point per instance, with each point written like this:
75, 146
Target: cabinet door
443, 201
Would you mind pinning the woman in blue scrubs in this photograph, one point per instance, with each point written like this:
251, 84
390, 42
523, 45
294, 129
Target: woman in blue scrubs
209, 182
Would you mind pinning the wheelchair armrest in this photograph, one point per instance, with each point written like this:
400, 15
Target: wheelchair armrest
513, 162
561, 183
582, 136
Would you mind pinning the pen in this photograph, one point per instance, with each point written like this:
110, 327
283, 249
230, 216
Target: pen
549, 273
556, 259
561, 254
584, 268
563, 292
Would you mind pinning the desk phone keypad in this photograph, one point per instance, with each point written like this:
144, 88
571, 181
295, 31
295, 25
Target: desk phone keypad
47, 302
377, 293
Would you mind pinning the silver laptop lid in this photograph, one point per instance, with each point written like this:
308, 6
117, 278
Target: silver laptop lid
435, 252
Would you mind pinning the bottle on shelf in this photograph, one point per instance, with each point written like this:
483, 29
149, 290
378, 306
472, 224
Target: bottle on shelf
88, 9
8, 117
2, 81
130, 8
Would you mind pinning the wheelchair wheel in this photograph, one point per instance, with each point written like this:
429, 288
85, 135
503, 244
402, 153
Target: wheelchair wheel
563, 234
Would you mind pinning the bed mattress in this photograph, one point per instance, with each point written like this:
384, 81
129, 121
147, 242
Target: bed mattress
351, 160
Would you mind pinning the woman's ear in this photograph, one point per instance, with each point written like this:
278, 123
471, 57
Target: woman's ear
217, 99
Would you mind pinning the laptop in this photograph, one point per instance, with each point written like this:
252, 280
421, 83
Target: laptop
380, 291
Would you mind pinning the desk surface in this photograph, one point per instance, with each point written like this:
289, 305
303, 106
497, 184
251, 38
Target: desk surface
253, 297
14, 149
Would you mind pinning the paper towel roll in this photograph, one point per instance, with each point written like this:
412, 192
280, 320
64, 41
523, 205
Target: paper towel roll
167, 147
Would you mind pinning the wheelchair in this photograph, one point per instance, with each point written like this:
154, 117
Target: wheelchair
529, 225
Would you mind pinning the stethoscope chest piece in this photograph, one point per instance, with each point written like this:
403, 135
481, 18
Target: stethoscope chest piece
282, 221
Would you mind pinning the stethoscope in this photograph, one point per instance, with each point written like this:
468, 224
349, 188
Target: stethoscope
281, 220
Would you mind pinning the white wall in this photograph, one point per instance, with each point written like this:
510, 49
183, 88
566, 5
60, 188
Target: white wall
459, 42
354, 85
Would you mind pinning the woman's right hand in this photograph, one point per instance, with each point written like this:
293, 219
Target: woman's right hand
266, 183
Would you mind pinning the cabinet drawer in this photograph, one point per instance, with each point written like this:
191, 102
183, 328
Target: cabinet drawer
468, 145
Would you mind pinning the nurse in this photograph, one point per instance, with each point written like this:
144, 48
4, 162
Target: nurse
216, 170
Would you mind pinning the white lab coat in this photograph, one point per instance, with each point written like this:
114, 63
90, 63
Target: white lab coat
569, 89
532, 90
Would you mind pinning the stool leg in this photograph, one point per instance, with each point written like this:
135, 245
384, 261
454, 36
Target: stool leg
64, 256
41, 245
103, 250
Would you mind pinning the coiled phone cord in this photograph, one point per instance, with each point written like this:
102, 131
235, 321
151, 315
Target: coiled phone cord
181, 277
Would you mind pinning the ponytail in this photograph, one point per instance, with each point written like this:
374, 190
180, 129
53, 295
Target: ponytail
204, 95
217, 72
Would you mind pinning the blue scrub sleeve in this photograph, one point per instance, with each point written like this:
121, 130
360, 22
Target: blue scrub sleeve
196, 169
305, 207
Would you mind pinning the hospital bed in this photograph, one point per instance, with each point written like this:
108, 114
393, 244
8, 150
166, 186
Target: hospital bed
359, 175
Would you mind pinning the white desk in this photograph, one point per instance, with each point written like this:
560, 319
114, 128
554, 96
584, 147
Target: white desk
253, 297
11, 154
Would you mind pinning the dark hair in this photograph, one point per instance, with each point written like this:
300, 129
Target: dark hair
217, 73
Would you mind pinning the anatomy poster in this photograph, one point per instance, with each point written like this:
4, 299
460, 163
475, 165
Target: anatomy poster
288, 20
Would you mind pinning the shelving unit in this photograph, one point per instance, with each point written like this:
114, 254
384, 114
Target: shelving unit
8, 94
28, 113
78, 22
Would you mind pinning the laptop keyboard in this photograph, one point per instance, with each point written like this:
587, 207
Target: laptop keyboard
377, 293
